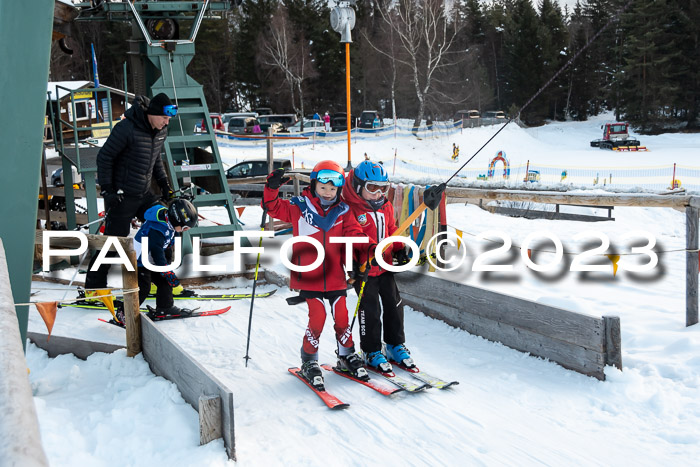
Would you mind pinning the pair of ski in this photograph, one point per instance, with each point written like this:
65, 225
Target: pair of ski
400, 384
240, 296
155, 316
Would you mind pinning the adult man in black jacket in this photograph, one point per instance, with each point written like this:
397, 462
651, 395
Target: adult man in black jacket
126, 163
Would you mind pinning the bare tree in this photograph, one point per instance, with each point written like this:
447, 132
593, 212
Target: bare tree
426, 37
289, 54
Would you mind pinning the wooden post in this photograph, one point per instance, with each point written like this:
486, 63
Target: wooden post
131, 305
613, 341
692, 263
270, 167
210, 422
297, 187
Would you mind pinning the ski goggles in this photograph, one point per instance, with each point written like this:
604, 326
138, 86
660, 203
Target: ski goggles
326, 176
170, 110
377, 187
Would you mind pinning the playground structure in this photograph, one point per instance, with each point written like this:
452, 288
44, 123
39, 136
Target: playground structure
499, 157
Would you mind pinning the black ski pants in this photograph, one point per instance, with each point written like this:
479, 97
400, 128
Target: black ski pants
164, 295
382, 287
118, 222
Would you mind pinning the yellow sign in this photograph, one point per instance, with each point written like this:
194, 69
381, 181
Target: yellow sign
82, 95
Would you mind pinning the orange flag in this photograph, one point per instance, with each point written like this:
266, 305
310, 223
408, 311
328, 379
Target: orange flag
240, 210
529, 253
107, 299
459, 237
47, 310
614, 259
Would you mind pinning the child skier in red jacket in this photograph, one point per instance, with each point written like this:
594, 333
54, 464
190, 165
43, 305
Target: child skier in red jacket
319, 213
368, 184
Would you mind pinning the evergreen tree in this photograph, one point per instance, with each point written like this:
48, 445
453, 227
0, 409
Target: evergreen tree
523, 60
553, 39
255, 16
580, 91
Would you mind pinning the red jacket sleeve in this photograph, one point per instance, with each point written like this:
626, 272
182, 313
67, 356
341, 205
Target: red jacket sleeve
278, 208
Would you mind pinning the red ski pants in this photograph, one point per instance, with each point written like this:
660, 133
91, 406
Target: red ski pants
317, 318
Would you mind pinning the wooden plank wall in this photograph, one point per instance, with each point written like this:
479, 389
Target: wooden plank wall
20, 441
575, 341
167, 359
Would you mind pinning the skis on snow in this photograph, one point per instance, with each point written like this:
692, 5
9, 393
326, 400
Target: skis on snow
425, 377
373, 384
402, 383
155, 316
239, 296
329, 399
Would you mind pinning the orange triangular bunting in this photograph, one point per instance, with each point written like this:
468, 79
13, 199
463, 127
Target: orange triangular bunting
240, 210
47, 310
459, 237
105, 295
529, 253
614, 259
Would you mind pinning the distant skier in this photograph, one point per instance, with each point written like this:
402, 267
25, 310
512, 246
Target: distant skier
369, 183
319, 213
455, 152
327, 122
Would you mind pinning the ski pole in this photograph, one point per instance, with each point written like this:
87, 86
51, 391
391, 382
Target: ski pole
255, 281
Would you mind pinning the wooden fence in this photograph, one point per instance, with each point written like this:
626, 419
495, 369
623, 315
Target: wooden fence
579, 342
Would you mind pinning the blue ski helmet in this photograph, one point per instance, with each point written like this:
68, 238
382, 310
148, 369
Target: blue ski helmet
368, 171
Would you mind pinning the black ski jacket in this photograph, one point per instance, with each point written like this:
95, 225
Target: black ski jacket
131, 155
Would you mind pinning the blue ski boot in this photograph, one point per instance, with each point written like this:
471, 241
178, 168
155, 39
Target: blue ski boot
401, 355
377, 360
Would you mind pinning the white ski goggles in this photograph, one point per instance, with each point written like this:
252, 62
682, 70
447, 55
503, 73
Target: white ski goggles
377, 187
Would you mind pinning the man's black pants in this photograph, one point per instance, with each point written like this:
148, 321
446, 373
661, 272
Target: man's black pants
118, 222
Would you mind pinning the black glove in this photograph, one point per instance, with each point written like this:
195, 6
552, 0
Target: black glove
401, 257
111, 198
370, 251
166, 191
276, 179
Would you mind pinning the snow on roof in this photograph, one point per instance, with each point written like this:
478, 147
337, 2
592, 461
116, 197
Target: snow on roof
72, 85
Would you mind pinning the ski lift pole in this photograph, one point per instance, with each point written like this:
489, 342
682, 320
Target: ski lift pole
255, 282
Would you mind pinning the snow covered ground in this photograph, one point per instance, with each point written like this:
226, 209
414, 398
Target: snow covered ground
509, 408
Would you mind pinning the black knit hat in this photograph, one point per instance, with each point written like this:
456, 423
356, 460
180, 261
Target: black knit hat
157, 103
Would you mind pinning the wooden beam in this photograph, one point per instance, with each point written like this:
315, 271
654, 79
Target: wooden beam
613, 341
577, 199
692, 265
209, 419
19, 425
131, 307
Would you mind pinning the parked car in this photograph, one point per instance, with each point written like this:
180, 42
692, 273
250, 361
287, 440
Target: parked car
276, 127
367, 119
339, 121
309, 125
255, 168
466, 115
494, 114
216, 123
286, 120
263, 111
229, 115
241, 125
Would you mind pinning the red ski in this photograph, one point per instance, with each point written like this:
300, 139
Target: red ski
153, 314
373, 384
329, 399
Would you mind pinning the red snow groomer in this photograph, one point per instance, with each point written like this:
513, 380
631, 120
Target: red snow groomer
616, 137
